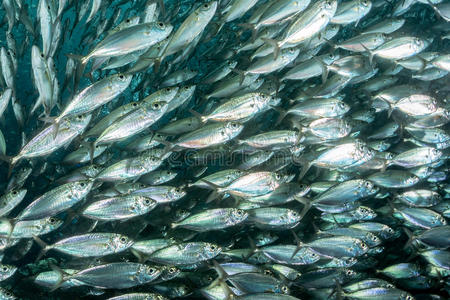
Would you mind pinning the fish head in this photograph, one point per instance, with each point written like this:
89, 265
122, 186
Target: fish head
144, 203
309, 256
328, 8
418, 44
7, 271
211, 250
365, 4
146, 273
121, 242
121, 81
433, 155
406, 296
365, 213
292, 216
232, 129
51, 223
238, 215
83, 187
169, 272
412, 180
208, 8
176, 193
159, 106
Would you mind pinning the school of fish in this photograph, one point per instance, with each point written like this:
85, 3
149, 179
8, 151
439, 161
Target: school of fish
225, 150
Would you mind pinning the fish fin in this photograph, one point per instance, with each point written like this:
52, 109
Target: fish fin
339, 291
298, 242
142, 258
220, 271
282, 115
241, 75
10, 161
43, 245
63, 277
370, 52
251, 27
333, 46
306, 208
275, 44
55, 122
411, 238
198, 116
213, 196
79, 58
325, 69
424, 63
306, 165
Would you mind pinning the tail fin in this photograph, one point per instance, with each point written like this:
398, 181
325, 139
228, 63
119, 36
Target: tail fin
201, 118
63, 277
324, 69
45, 247
371, 54
298, 242
55, 122
251, 27
241, 75
411, 238
11, 161
275, 44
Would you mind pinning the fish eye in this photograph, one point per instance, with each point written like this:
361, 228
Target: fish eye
284, 289
186, 87
390, 230
82, 184
135, 104
14, 192
128, 21
52, 220
8, 294
206, 5
4, 268
177, 190
213, 247
121, 76
349, 272
42, 55
172, 270
239, 212
161, 24
147, 201
156, 105
79, 117
277, 176
168, 89
123, 239
48, 6
151, 270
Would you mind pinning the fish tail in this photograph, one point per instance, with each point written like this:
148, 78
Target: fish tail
275, 44
251, 27
43, 245
370, 52
201, 118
